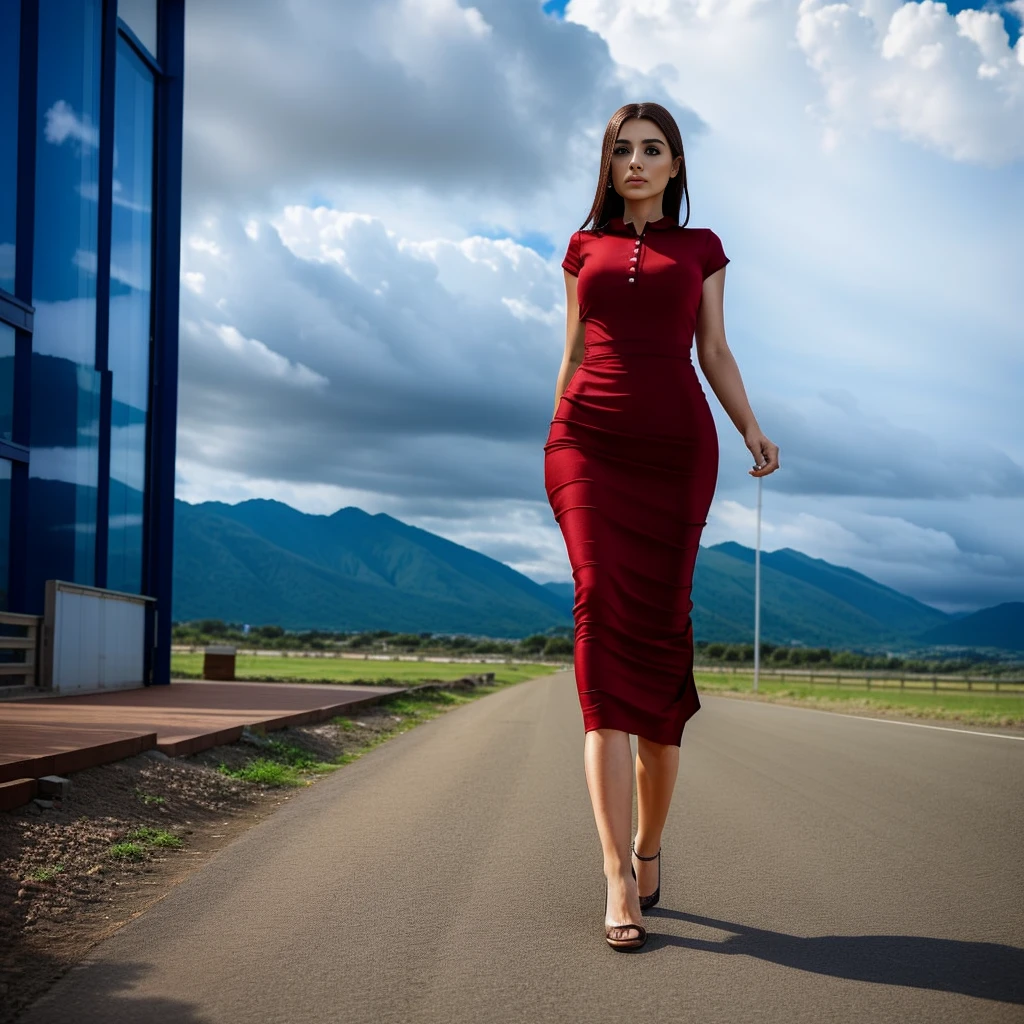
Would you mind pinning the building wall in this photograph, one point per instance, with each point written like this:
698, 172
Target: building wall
90, 123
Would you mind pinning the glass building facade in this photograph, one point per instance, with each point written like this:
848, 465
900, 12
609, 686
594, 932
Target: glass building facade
90, 187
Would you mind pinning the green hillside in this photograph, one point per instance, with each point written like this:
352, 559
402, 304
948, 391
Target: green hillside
791, 608
566, 593
263, 561
1001, 626
899, 613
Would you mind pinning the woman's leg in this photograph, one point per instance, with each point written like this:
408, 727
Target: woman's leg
609, 768
657, 765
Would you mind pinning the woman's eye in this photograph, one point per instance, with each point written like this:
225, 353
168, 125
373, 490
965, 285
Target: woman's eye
652, 151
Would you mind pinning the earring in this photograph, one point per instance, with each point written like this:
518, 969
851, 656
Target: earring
609, 184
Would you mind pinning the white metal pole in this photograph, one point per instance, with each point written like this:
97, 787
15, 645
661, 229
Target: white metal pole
757, 591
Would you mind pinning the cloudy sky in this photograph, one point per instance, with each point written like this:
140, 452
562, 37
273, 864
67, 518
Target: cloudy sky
378, 196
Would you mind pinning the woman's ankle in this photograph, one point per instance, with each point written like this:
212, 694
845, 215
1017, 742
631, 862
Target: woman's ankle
621, 871
646, 846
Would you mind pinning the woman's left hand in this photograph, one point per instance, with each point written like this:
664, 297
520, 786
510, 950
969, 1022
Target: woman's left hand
766, 454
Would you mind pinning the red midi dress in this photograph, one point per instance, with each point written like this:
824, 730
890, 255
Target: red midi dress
630, 468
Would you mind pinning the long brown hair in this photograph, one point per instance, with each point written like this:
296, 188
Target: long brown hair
607, 201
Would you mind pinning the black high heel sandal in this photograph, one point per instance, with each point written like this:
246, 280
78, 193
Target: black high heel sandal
648, 901
623, 944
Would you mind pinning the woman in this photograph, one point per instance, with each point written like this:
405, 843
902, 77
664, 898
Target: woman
630, 467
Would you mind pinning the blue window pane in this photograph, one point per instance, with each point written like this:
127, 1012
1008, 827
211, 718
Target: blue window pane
140, 17
9, 37
6, 380
130, 297
64, 418
5, 530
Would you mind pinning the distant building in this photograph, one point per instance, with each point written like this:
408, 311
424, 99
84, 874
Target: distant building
90, 209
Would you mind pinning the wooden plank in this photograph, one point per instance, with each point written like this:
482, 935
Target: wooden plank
72, 753
17, 619
17, 643
16, 668
17, 793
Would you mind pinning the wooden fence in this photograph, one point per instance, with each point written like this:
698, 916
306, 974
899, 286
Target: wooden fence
880, 680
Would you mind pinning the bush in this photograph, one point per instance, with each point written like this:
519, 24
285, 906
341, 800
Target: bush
847, 659
558, 646
533, 644
406, 640
211, 627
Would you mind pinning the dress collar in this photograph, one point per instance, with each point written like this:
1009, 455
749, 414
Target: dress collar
619, 227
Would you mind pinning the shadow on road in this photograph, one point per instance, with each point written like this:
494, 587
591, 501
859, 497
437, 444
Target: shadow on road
100, 995
984, 969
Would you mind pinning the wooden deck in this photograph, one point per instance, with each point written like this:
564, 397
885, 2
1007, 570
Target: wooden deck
57, 735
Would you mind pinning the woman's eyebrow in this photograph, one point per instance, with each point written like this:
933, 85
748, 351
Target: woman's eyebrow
626, 141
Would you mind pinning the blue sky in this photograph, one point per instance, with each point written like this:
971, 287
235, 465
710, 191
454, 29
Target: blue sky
378, 196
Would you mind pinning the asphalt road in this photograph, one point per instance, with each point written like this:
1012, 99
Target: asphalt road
816, 868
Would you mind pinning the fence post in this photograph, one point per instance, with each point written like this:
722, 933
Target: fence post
935, 684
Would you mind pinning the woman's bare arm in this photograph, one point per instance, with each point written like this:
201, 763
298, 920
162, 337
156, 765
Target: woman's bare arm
574, 332
719, 366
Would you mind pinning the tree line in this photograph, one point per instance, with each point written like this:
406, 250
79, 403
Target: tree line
554, 644
780, 656
558, 643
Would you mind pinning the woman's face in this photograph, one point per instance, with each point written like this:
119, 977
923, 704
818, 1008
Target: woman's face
642, 152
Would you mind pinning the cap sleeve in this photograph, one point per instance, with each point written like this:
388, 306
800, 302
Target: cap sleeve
714, 254
572, 261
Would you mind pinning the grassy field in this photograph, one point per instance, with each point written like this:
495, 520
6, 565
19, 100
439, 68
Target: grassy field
345, 670
966, 708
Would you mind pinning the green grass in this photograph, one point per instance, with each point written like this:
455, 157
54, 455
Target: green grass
267, 772
156, 837
46, 874
969, 708
127, 851
295, 757
149, 800
140, 840
348, 670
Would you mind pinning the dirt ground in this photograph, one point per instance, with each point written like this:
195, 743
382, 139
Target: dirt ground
62, 890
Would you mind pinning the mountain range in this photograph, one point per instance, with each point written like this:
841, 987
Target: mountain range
262, 561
